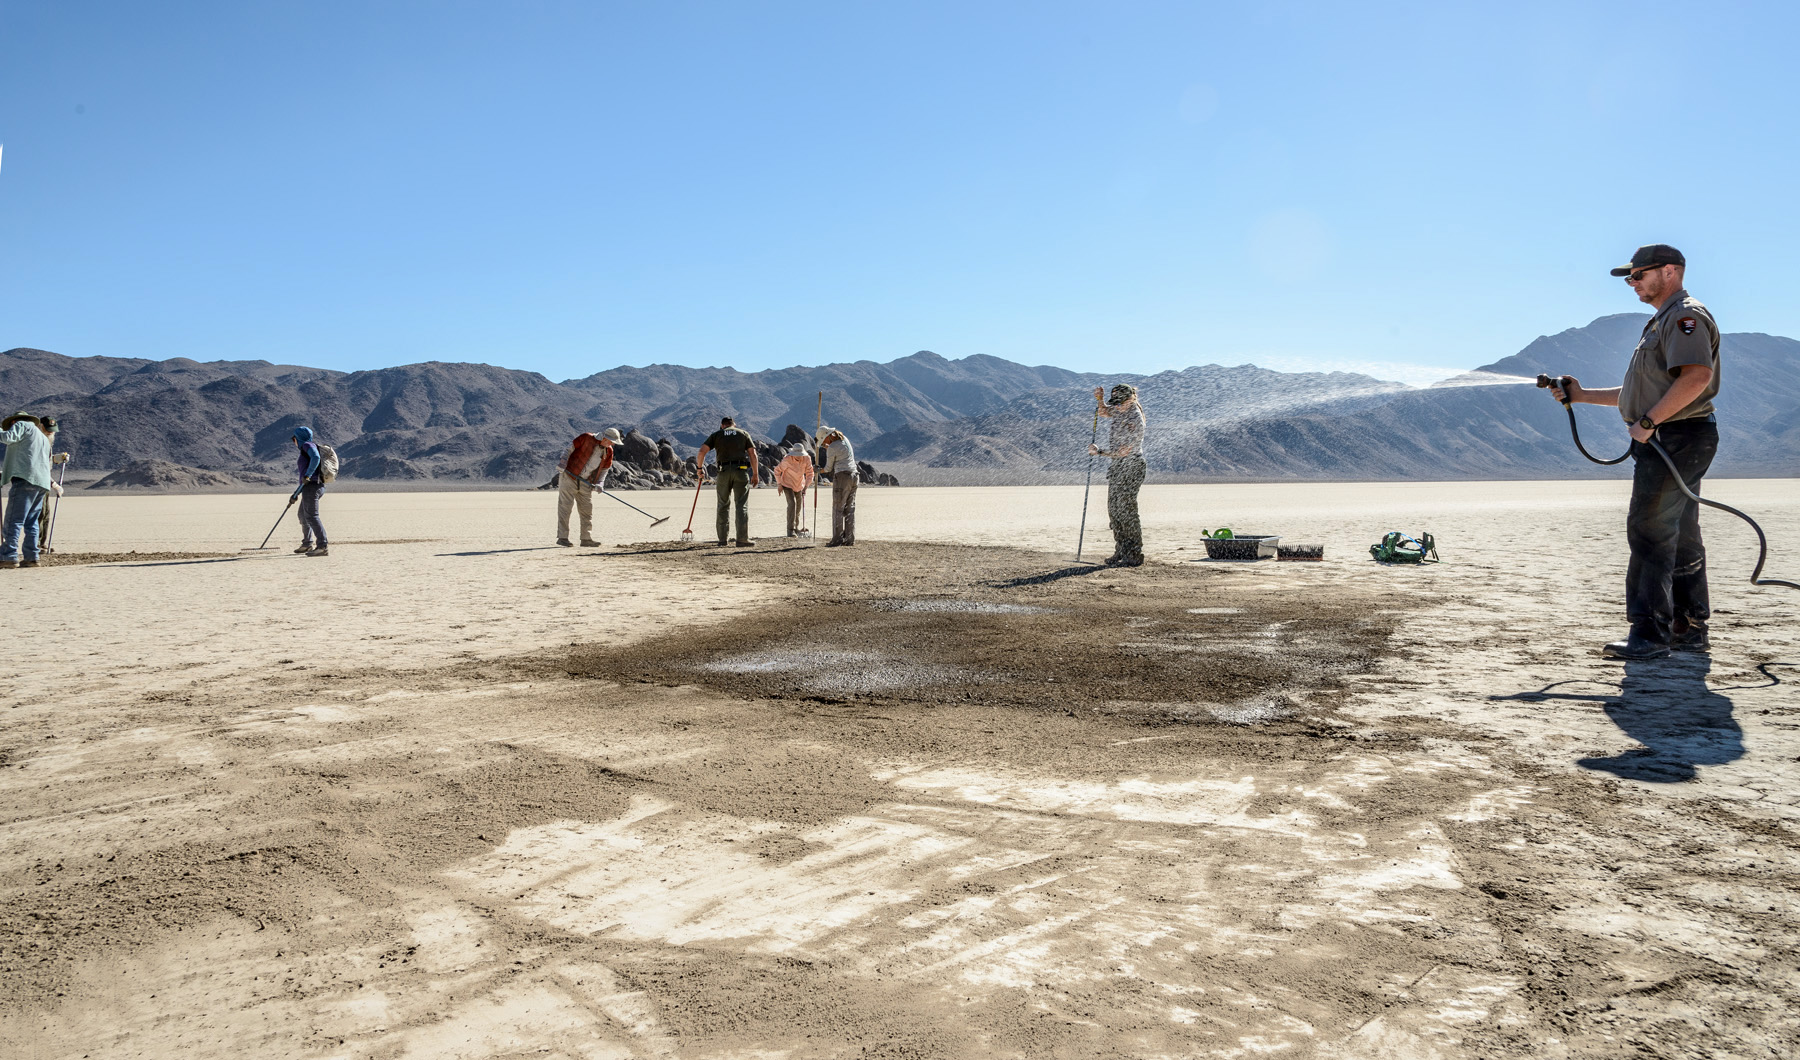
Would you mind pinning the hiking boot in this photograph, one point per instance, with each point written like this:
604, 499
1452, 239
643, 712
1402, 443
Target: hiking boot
305, 547
322, 550
565, 542
11, 564
1693, 638
28, 563
1635, 647
585, 543
745, 544
723, 542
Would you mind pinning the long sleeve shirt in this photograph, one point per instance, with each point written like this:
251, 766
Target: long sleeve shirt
839, 456
27, 455
1126, 429
308, 464
795, 472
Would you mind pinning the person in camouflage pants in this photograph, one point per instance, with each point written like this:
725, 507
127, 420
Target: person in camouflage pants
1125, 448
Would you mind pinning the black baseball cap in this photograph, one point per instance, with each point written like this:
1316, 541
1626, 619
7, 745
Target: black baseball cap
1651, 256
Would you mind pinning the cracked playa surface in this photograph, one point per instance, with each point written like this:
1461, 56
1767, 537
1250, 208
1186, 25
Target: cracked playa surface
906, 801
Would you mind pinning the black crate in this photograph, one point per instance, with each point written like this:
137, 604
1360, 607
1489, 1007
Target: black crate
1243, 546
1303, 553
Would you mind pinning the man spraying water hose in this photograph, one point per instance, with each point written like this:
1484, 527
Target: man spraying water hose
1125, 475
1667, 392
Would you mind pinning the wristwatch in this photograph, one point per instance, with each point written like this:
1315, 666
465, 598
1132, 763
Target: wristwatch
1647, 423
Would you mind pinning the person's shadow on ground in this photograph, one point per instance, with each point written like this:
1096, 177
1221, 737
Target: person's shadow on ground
1665, 705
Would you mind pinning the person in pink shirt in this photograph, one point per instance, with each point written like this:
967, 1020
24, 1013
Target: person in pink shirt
793, 477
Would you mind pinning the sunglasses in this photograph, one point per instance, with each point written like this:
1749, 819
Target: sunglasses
1638, 274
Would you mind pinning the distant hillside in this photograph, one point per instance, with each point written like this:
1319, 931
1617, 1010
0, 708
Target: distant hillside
975, 419
438, 421
1247, 424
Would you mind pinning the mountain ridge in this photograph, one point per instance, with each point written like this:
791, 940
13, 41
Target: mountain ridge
978, 418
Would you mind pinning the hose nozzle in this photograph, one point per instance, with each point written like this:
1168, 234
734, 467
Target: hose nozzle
1562, 382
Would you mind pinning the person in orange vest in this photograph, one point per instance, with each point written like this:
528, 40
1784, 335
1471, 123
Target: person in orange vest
793, 477
584, 466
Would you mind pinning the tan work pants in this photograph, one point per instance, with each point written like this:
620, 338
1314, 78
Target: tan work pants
796, 509
572, 491
843, 507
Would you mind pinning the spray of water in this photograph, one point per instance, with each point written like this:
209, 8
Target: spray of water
1484, 379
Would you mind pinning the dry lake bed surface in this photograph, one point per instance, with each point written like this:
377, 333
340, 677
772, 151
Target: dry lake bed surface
454, 792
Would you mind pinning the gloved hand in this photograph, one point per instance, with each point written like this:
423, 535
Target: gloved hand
60, 458
295, 497
56, 488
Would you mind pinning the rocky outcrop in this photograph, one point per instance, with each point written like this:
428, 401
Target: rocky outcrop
381, 468
162, 475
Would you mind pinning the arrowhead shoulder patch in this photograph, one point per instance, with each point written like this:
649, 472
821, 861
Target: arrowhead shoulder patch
1687, 325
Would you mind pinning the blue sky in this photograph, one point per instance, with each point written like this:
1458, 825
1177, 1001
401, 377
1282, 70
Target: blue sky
570, 187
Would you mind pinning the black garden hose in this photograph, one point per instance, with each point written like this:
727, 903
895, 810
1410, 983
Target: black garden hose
1762, 541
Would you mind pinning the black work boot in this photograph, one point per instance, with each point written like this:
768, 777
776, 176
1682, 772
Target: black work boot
1635, 647
1690, 635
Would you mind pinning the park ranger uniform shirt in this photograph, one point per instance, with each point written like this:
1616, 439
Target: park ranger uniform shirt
1679, 334
732, 445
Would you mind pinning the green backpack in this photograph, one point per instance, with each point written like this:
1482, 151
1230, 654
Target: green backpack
1396, 547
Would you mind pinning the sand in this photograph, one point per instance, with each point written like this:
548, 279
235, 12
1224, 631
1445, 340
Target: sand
456, 792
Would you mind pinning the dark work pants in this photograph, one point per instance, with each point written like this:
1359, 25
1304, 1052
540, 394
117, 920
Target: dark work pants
311, 529
734, 481
1665, 581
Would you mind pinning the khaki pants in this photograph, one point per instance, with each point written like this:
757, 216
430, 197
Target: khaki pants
572, 491
796, 509
843, 508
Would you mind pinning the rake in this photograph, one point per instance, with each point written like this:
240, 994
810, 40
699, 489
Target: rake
61, 460
265, 545
687, 536
654, 521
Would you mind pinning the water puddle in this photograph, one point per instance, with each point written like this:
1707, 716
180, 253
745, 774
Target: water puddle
832, 671
958, 607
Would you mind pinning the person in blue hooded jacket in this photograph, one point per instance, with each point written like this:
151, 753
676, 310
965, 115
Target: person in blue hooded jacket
312, 531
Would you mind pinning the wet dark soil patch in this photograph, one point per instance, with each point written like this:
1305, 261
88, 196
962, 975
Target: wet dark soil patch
945, 626
77, 559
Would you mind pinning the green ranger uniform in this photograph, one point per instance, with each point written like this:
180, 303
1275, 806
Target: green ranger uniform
733, 447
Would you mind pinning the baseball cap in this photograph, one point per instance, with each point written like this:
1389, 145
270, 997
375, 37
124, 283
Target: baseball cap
1650, 255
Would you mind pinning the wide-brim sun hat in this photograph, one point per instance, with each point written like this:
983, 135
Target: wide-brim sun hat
611, 434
